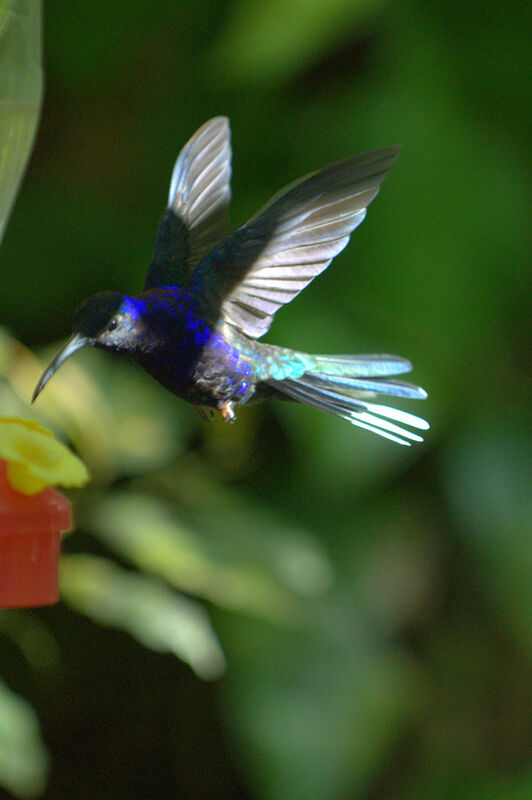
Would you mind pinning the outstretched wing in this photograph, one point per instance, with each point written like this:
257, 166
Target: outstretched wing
196, 217
267, 262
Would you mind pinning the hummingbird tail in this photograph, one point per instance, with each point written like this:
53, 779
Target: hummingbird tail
344, 385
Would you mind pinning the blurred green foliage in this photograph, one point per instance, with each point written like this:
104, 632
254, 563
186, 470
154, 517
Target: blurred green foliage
20, 94
371, 607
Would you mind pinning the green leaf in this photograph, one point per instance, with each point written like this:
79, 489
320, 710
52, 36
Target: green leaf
151, 536
30, 633
315, 714
20, 94
23, 757
237, 529
153, 614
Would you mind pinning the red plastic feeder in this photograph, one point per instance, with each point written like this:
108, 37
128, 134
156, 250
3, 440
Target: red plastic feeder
30, 538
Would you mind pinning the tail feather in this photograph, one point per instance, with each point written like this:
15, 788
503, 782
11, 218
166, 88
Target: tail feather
340, 391
373, 386
368, 366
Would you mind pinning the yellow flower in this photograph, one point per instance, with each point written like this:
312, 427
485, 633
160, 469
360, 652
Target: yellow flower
35, 459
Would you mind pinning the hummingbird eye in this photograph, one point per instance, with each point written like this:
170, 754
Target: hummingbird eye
112, 325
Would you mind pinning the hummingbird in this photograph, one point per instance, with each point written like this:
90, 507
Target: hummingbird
209, 295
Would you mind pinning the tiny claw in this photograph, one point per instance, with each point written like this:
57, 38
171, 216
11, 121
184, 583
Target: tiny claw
227, 411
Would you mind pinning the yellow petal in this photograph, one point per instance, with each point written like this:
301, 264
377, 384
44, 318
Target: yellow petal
30, 424
20, 477
36, 459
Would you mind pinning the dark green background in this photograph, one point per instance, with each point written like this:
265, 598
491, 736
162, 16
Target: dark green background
408, 677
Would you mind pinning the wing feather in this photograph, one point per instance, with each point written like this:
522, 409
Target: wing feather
264, 264
196, 217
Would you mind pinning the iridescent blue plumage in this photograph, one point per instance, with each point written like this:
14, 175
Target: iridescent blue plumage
209, 296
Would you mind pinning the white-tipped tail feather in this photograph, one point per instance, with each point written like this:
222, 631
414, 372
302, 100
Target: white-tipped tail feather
346, 393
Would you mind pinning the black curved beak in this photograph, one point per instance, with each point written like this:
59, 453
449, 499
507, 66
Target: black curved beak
76, 343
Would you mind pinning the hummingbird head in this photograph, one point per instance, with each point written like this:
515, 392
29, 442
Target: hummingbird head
98, 316
103, 320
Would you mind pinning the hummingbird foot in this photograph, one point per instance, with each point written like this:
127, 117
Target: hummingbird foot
227, 411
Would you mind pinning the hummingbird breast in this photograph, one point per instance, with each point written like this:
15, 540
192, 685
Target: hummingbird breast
193, 358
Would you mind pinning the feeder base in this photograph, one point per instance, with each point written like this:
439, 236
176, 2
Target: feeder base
28, 570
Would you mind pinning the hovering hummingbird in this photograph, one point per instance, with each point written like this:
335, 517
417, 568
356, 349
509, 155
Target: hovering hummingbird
209, 296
